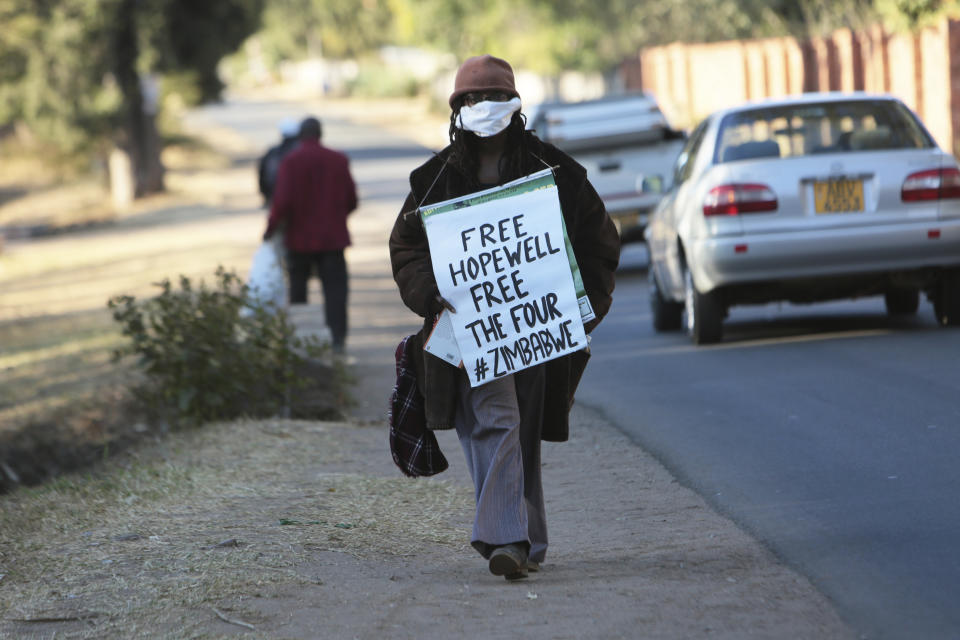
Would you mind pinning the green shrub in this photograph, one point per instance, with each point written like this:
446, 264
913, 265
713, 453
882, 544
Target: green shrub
213, 354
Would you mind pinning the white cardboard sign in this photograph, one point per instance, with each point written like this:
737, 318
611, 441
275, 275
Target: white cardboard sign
501, 258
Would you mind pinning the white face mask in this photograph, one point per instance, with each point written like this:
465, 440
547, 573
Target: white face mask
488, 118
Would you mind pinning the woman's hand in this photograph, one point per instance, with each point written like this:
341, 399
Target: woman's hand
445, 304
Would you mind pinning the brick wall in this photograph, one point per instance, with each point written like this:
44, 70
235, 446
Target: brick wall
934, 80
901, 65
953, 70
716, 72
923, 70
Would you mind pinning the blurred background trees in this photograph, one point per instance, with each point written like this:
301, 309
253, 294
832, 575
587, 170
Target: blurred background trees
80, 77
553, 35
86, 78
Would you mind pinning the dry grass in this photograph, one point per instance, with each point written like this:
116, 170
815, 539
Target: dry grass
56, 334
133, 547
52, 361
35, 192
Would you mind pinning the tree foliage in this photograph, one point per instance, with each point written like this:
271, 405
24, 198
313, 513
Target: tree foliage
329, 28
67, 64
914, 14
190, 37
63, 96
553, 35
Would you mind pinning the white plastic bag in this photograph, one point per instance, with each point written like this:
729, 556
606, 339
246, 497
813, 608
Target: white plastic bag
267, 283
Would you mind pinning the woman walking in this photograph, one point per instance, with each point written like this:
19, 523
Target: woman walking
500, 424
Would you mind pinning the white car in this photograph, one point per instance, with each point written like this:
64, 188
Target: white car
803, 199
625, 144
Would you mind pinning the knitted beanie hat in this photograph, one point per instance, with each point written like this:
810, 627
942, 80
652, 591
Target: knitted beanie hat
483, 73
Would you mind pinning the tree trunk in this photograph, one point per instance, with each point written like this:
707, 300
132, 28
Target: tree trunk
138, 137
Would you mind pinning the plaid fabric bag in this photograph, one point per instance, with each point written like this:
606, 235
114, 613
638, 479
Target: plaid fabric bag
414, 447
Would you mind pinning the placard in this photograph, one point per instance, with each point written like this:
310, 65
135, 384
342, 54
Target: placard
501, 257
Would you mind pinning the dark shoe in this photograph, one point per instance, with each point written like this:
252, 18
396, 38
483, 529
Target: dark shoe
509, 561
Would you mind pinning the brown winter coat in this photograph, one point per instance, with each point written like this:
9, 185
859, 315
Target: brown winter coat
596, 245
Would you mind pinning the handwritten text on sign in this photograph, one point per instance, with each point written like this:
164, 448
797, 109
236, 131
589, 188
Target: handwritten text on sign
500, 259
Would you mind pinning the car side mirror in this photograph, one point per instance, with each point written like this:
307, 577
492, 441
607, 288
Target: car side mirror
652, 184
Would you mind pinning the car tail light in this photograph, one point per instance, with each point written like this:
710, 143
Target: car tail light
734, 199
933, 184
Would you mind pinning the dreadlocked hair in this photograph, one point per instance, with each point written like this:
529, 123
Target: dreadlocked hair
464, 149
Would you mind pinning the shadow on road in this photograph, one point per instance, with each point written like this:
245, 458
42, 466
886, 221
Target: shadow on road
808, 326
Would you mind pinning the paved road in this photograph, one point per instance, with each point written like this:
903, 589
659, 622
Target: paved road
829, 431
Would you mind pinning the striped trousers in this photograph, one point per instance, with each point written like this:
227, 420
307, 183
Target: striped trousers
499, 427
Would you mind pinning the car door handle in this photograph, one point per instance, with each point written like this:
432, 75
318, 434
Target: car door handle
610, 165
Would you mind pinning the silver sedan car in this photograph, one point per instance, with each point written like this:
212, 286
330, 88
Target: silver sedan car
804, 199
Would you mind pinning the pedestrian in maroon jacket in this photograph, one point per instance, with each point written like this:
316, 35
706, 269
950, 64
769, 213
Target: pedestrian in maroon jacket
314, 194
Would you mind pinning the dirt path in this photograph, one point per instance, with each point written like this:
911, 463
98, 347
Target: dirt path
367, 553
283, 529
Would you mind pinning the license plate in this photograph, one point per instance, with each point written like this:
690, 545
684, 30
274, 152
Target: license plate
838, 196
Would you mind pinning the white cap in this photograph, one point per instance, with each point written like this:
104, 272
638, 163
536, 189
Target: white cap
289, 127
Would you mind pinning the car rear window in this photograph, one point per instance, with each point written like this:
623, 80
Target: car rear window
787, 131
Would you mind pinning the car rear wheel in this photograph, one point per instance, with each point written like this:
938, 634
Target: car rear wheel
667, 315
902, 302
703, 313
946, 304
